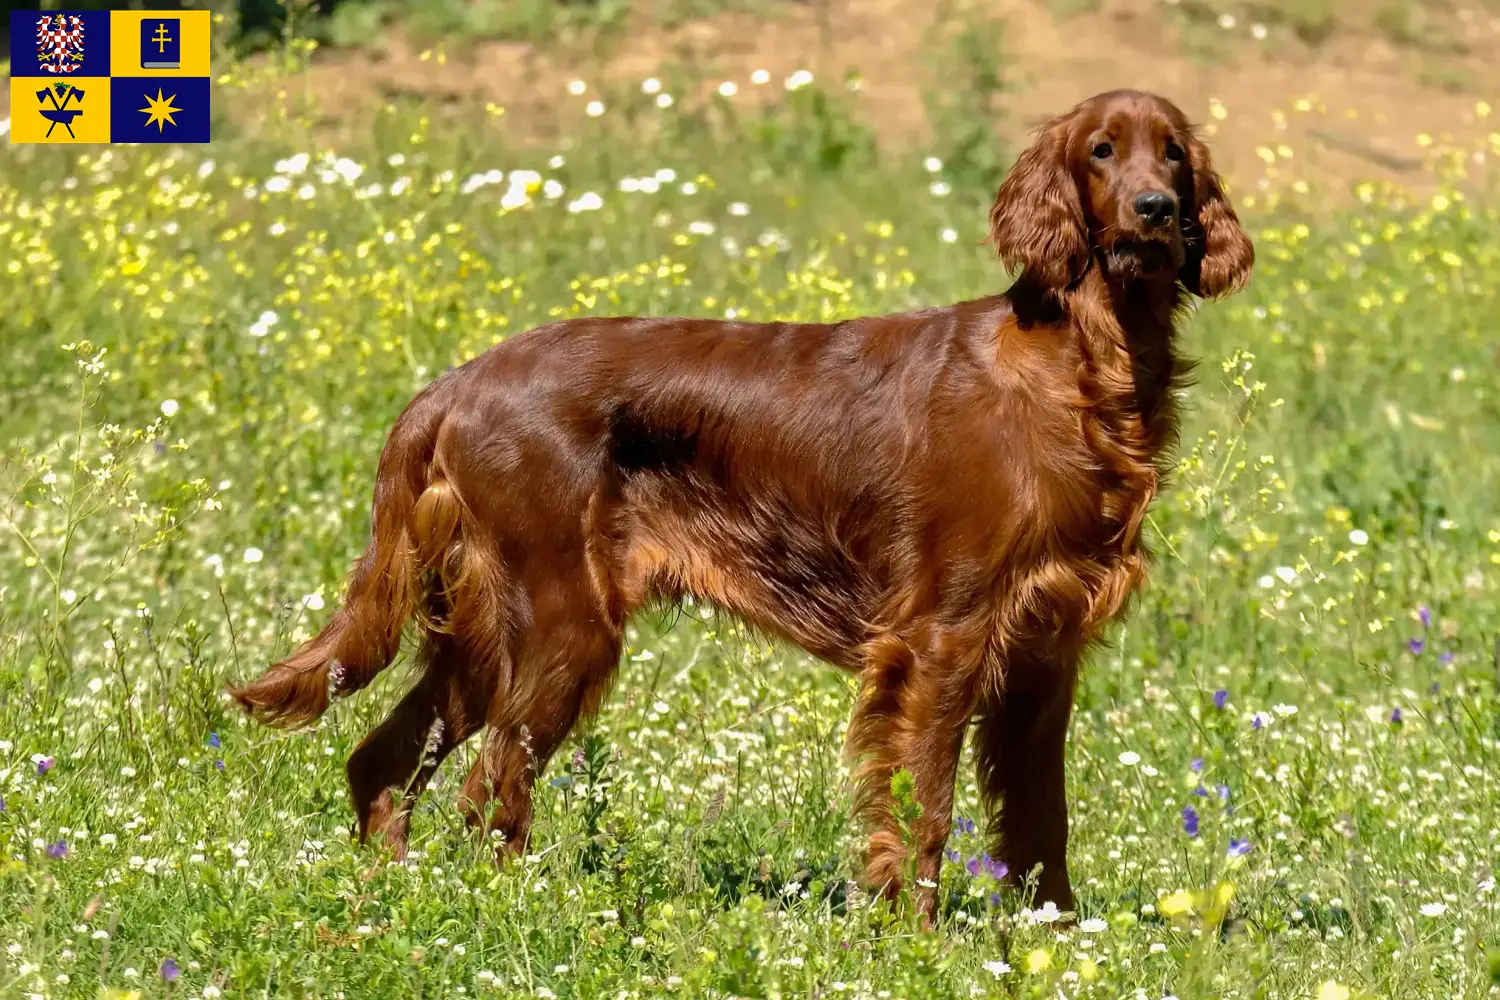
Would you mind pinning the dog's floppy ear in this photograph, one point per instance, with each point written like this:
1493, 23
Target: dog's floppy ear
1037, 223
1219, 254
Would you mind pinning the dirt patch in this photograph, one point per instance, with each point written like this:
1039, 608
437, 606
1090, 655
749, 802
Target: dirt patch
1364, 99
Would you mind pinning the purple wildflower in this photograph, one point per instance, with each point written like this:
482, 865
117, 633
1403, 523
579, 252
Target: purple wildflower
213, 740
986, 865
966, 825
951, 855
1396, 716
1446, 658
44, 765
1416, 645
1190, 821
1201, 792
2, 803
1425, 614
1255, 723
1238, 847
169, 969
1221, 698
1223, 793
219, 764
1435, 688
1196, 764
58, 850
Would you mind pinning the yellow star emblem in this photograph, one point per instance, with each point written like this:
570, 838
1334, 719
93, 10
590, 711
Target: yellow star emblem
160, 110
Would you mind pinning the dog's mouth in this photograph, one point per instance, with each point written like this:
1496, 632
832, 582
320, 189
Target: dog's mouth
1147, 257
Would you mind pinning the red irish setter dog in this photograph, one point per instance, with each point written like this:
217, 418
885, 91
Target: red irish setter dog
948, 503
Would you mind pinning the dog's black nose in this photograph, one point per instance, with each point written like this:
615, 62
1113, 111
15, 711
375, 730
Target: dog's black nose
1156, 207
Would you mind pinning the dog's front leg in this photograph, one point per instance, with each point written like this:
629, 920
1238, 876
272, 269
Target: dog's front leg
1019, 746
912, 715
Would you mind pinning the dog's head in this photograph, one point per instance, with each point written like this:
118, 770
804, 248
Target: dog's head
1122, 177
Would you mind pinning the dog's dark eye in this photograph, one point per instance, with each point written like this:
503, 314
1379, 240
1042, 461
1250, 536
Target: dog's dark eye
1103, 151
1174, 151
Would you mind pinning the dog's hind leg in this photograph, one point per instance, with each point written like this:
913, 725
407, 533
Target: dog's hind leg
566, 660
394, 763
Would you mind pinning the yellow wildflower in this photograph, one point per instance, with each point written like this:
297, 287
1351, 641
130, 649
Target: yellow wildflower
1176, 904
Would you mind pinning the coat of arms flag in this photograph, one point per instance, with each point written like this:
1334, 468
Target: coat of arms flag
109, 76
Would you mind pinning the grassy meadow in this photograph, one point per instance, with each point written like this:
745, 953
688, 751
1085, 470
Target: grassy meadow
1283, 766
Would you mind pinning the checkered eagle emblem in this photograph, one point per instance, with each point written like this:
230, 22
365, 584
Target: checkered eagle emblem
59, 42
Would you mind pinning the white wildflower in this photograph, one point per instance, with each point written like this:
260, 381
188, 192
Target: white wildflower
586, 202
1048, 913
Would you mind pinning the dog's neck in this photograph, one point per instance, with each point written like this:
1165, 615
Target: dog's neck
1126, 332
1139, 318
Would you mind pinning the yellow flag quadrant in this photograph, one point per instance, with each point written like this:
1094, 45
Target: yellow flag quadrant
77, 113
125, 42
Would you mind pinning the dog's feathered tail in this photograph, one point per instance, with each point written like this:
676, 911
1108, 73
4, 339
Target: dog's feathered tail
416, 520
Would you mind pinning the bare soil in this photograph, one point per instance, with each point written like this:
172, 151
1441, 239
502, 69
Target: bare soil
1369, 102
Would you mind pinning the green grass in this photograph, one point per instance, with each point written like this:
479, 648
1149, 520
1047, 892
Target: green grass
199, 365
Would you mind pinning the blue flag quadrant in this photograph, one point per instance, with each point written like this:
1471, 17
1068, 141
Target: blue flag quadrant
159, 109
59, 44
